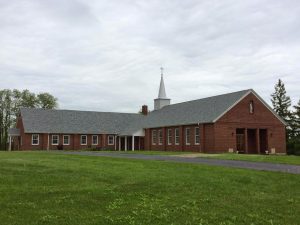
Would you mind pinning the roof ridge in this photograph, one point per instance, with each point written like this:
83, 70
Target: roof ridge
72, 110
208, 97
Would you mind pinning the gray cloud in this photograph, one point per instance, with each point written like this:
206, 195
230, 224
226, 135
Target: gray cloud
105, 55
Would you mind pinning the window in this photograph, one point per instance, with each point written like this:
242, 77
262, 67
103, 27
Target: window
176, 136
35, 139
160, 137
154, 137
197, 136
95, 140
55, 139
187, 136
83, 140
111, 140
169, 136
66, 139
251, 107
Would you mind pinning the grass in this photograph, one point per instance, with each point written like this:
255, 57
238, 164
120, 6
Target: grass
48, 188
283, 159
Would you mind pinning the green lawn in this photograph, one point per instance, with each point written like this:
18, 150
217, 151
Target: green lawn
285, 159
48, 188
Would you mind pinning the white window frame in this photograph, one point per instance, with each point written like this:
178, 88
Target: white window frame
68, 140
54, 135
93, 140
197, 135
176, 135
154, 137
169, 136
81, 136
160, 137
38, 139
187, 137
108, 140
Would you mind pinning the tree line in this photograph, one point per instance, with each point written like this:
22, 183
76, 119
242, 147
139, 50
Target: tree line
282, 105
10, 103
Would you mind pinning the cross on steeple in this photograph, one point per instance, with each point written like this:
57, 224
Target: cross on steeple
161, 71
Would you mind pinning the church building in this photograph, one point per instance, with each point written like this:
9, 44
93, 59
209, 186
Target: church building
234, 122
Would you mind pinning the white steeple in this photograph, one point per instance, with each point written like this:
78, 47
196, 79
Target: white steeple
162, 90
162, 99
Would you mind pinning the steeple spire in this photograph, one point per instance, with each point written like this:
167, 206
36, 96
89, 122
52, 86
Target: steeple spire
162, 99
162, 90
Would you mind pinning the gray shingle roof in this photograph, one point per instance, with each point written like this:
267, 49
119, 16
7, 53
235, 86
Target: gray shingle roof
205, 110
75, 122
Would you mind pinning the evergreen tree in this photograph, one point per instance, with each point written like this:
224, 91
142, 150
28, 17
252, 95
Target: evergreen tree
297, 119
281, 104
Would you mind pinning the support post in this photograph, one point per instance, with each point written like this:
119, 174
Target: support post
48, 143
246, 140
132, 145
257, 141
115, 142
125, 143
119, 143
9, 145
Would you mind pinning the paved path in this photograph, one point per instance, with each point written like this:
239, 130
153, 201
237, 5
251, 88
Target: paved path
217, 162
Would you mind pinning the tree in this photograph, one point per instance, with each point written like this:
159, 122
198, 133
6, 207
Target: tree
297, 120
12, 101
46, 101
281, 104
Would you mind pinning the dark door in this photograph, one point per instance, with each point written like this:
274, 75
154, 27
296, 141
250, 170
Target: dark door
240, 140
263, 140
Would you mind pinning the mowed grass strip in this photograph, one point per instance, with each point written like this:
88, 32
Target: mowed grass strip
42, 188
282, 159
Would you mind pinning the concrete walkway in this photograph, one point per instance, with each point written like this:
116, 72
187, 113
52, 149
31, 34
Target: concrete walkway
216, 162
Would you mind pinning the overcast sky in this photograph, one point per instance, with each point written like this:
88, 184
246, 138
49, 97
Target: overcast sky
105, 55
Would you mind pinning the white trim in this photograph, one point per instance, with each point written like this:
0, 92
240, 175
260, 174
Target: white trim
169, 136
153, 136
175, 136
93, 139
38, 139
195, 135
259, 98
54, 135
266, 104
68, 139
234, 104
113, 138
187, 129
160, 134
81, 136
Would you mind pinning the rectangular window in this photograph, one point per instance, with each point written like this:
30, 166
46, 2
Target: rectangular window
55, 139
83, 140
35, 139
111, 140
66, 139
187, 136
169, 136
160, 137
176, 136
95, 140
197, 136
154, 137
